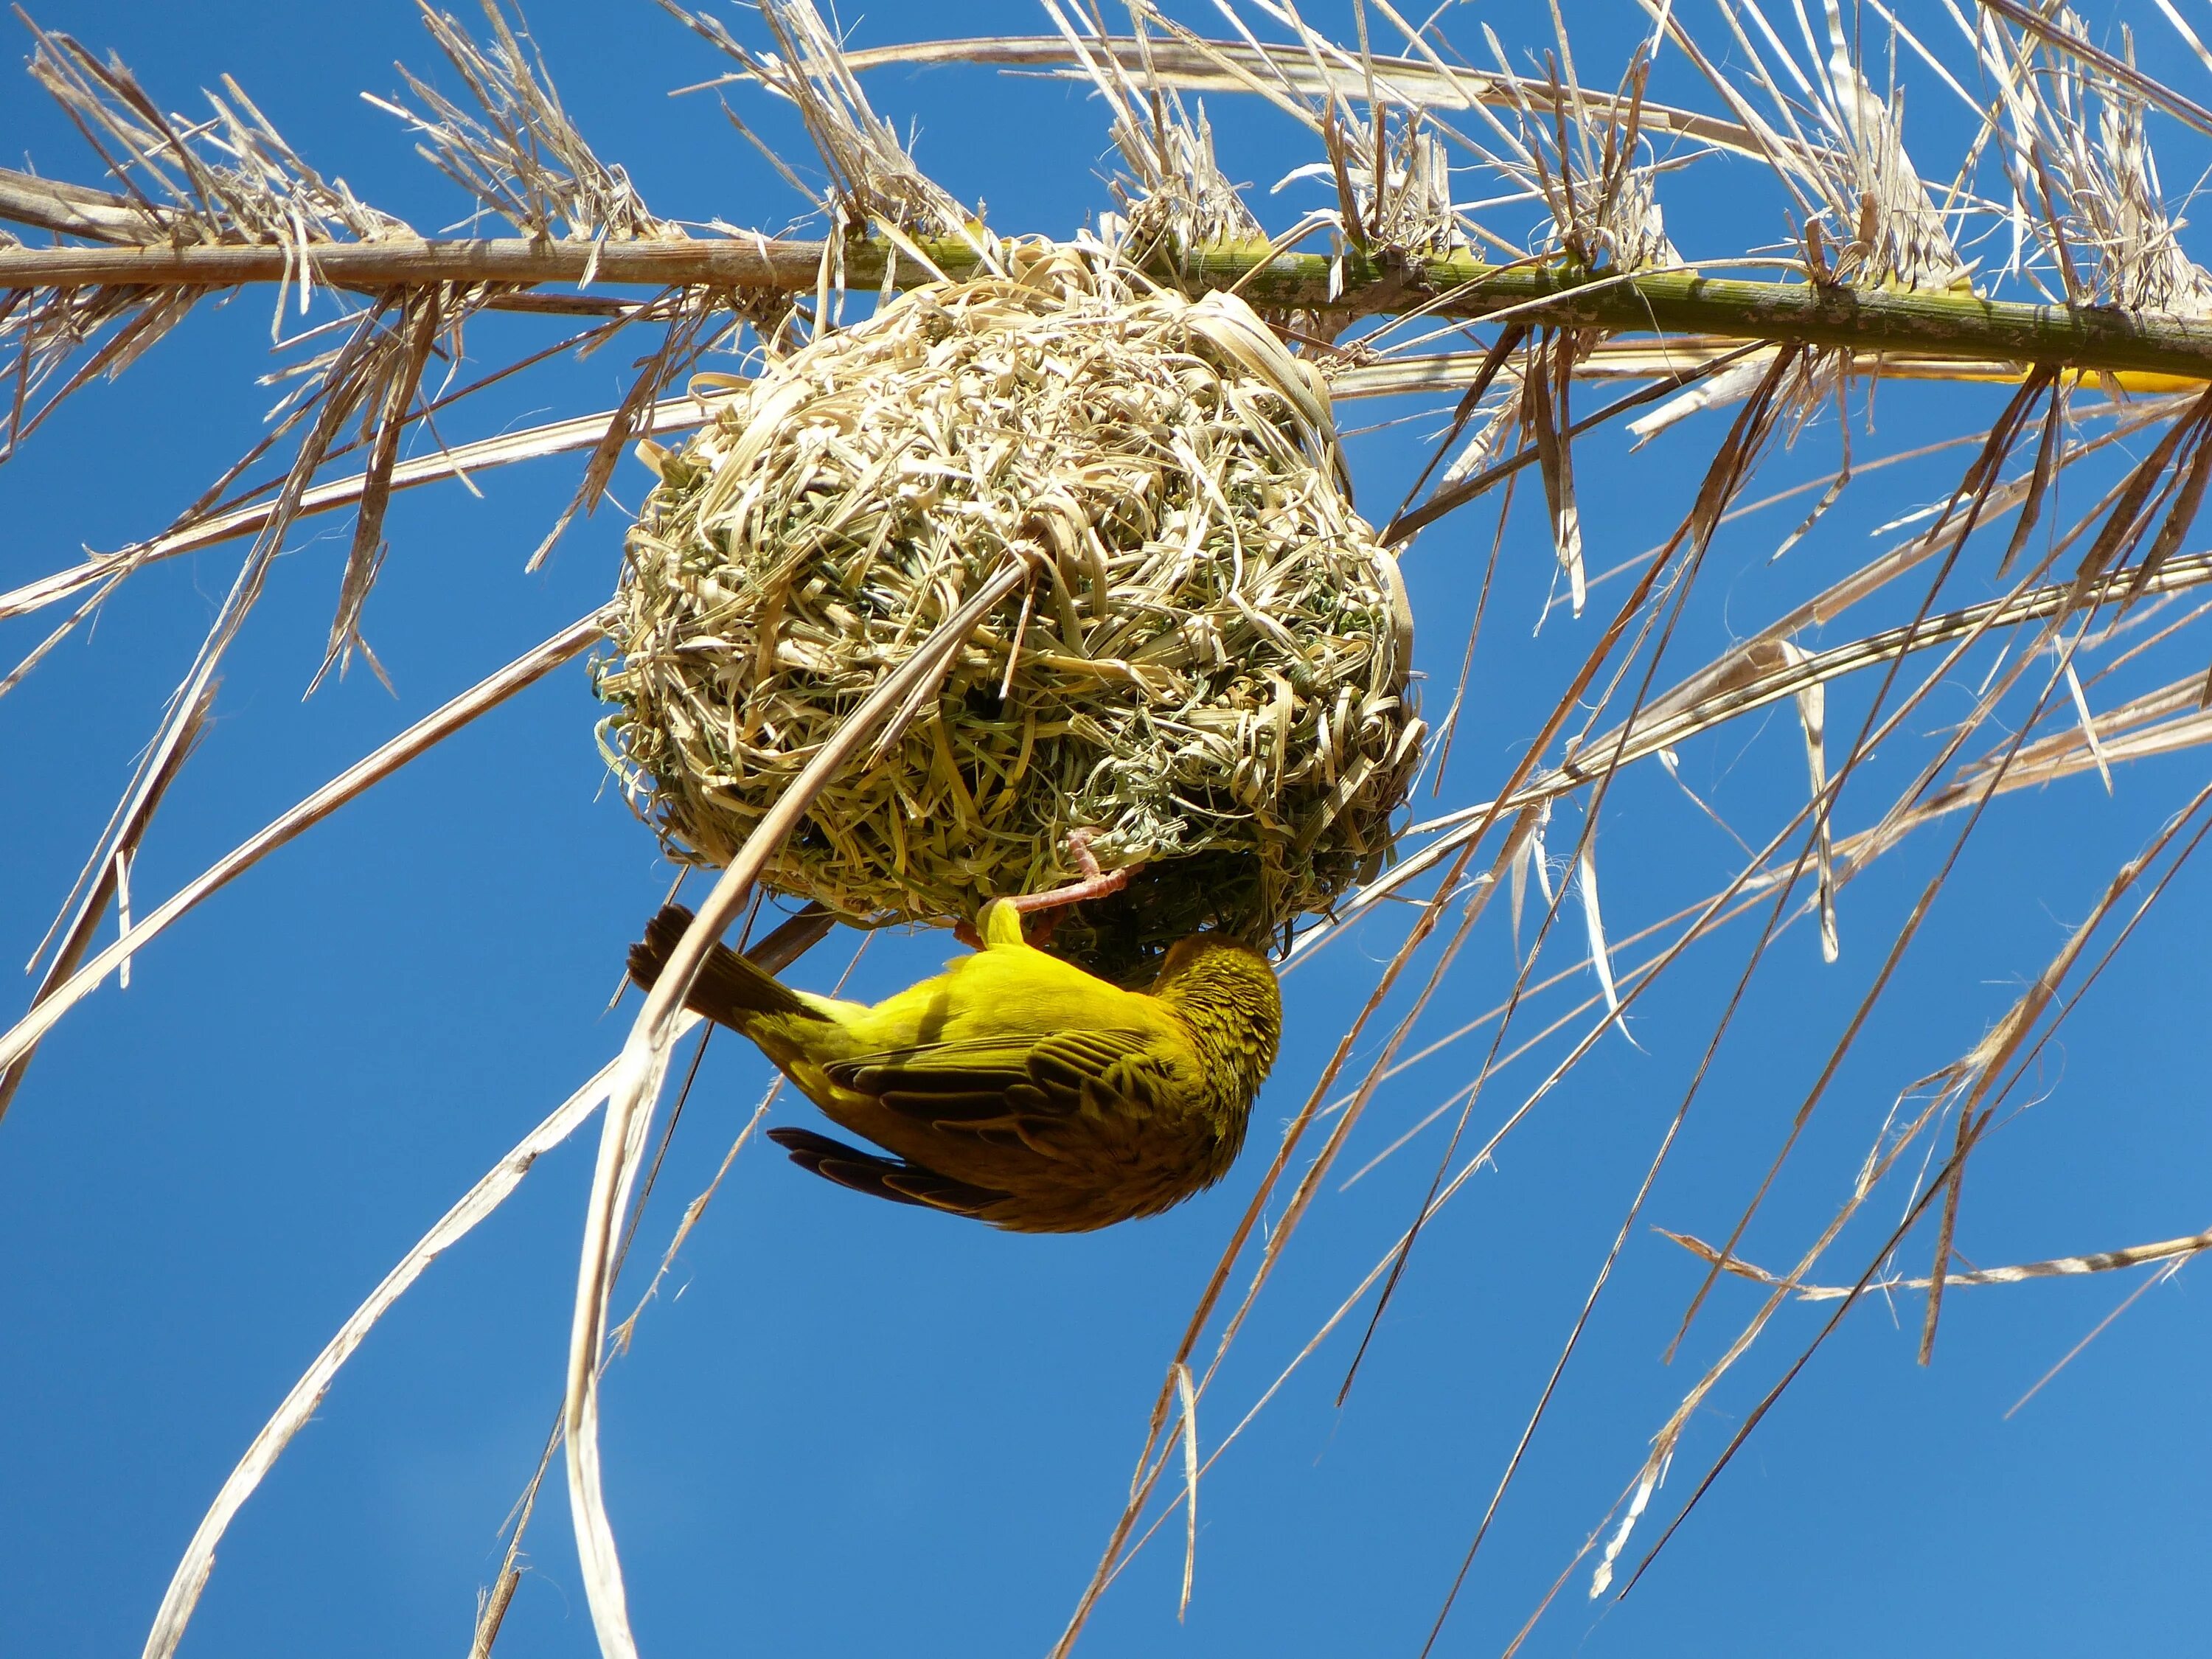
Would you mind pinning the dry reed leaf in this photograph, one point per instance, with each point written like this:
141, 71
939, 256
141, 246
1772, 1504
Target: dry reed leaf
785, 945
520, 156
1185, 61
1968, 1083
553, 438
366, 360
1189, 1399
114, 884
1723, 691
1600, 959
1709, 914
432, 729
636, 1088
2098, 1261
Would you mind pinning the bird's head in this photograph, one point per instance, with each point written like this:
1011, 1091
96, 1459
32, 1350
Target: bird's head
1228, 992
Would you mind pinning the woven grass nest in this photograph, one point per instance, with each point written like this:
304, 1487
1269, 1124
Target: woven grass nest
1209, 668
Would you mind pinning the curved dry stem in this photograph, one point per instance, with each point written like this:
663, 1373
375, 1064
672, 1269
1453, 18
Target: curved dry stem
299, 1405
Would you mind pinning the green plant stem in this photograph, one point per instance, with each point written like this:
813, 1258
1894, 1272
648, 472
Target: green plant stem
1960, 326
1945, 324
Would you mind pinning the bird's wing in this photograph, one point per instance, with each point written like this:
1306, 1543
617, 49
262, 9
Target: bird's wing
996, 1082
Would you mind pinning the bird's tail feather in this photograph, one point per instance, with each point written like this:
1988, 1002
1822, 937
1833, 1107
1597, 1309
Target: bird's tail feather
728, 988
883, 1177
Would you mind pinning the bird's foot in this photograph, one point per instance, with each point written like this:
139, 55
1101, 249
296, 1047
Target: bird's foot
1094, 884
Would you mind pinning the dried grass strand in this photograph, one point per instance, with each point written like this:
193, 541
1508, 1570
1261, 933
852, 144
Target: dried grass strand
486, 694
553, 438
2098, 1261
78, 939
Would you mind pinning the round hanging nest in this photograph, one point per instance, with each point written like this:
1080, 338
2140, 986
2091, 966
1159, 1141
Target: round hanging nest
1207, 667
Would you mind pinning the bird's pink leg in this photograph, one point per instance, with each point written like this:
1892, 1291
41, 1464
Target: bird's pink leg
1094, 884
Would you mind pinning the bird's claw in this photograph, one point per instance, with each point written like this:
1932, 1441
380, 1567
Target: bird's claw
1093, 883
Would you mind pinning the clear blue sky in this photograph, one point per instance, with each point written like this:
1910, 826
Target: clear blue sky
850, 1428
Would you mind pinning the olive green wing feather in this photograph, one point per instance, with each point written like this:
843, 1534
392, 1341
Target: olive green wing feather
997, 1084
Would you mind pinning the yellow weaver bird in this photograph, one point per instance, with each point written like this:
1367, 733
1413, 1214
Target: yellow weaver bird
1015, 1087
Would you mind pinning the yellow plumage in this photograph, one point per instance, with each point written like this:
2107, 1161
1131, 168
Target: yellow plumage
1014, 1087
